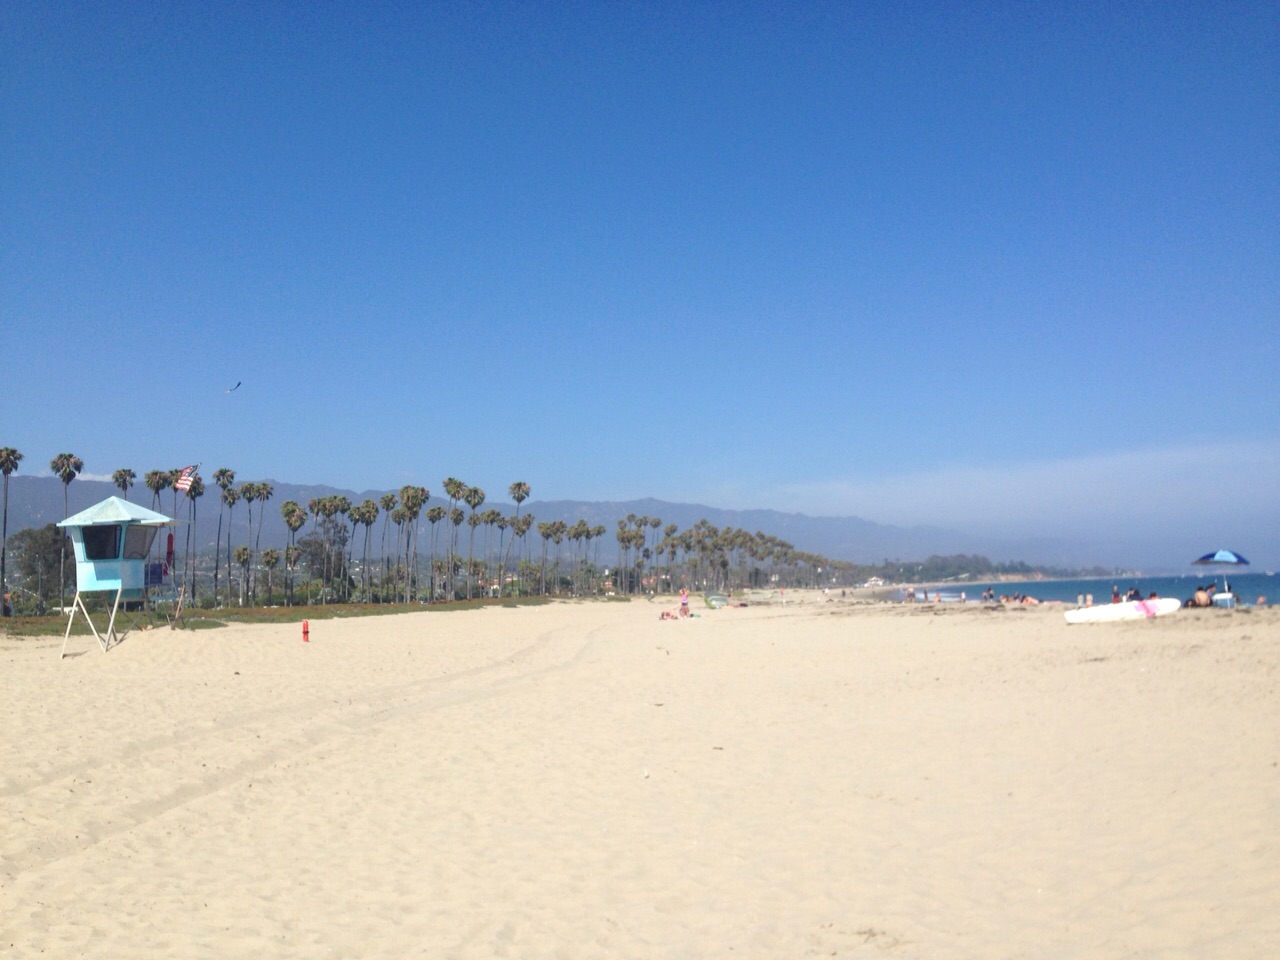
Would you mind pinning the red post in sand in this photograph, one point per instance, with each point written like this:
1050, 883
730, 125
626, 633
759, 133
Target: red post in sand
306, 628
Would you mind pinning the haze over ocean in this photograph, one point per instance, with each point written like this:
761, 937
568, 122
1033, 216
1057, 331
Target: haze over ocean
1011, 271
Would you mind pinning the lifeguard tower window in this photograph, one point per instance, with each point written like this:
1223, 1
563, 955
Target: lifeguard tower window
137, 541
102, 543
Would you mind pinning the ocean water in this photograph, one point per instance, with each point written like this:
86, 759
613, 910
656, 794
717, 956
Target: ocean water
1247, 586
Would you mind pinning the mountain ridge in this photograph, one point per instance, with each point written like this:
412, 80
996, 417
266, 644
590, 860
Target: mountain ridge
35, 501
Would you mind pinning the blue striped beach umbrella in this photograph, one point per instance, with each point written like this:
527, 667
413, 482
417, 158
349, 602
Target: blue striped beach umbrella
1224, 558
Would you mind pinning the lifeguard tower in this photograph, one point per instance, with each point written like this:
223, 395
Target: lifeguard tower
111, 540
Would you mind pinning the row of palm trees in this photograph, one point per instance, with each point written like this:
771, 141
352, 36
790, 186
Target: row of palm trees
400, 566
651, 557
713, 558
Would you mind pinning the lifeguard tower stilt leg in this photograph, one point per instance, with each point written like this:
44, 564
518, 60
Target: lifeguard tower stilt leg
106, 638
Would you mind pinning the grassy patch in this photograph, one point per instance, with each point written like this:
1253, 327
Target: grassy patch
199, 619
37, 626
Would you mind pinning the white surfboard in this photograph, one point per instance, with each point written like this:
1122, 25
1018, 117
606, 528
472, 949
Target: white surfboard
1129, 610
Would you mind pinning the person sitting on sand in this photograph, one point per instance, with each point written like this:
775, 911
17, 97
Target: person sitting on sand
1202, 598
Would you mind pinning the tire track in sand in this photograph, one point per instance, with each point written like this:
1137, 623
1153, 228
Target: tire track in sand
77, 806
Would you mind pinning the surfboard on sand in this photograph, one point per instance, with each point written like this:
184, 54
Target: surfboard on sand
1130, 610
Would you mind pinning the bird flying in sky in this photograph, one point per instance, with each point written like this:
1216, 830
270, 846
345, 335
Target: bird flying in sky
236, 387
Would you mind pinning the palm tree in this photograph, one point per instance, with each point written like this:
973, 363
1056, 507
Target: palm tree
342, 505
265, 493
294, 517
398, 517
316, 507
66, 467
558, 528
349, 512
155, 481
249, 493
642, 528
593, 566
9, 460
456, 516
473, 566
124, 478
326, 508
242, 556
489, 518
365, 514
597, 534
519, 492
412, 500
229, 496
669, 539
388, 503
576, 533
655, 524
434, 515
623, 541
223, 477
194, 493
591, 571
546, 530
474, 498
270, 558
519, 527
503, 523
291, 555
454, 490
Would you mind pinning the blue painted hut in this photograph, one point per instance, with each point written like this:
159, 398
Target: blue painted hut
111, 541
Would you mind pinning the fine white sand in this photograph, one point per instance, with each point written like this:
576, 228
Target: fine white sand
585, 780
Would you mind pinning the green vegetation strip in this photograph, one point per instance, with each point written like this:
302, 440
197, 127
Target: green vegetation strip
199, 619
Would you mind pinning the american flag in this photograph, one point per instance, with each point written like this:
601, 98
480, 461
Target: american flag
186, 478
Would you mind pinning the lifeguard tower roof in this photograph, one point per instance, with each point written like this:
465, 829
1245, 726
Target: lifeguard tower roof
115, 510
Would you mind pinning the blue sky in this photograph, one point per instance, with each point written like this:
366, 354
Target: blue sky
1009, 268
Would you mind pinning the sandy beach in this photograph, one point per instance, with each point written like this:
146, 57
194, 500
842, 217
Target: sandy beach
583, 780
